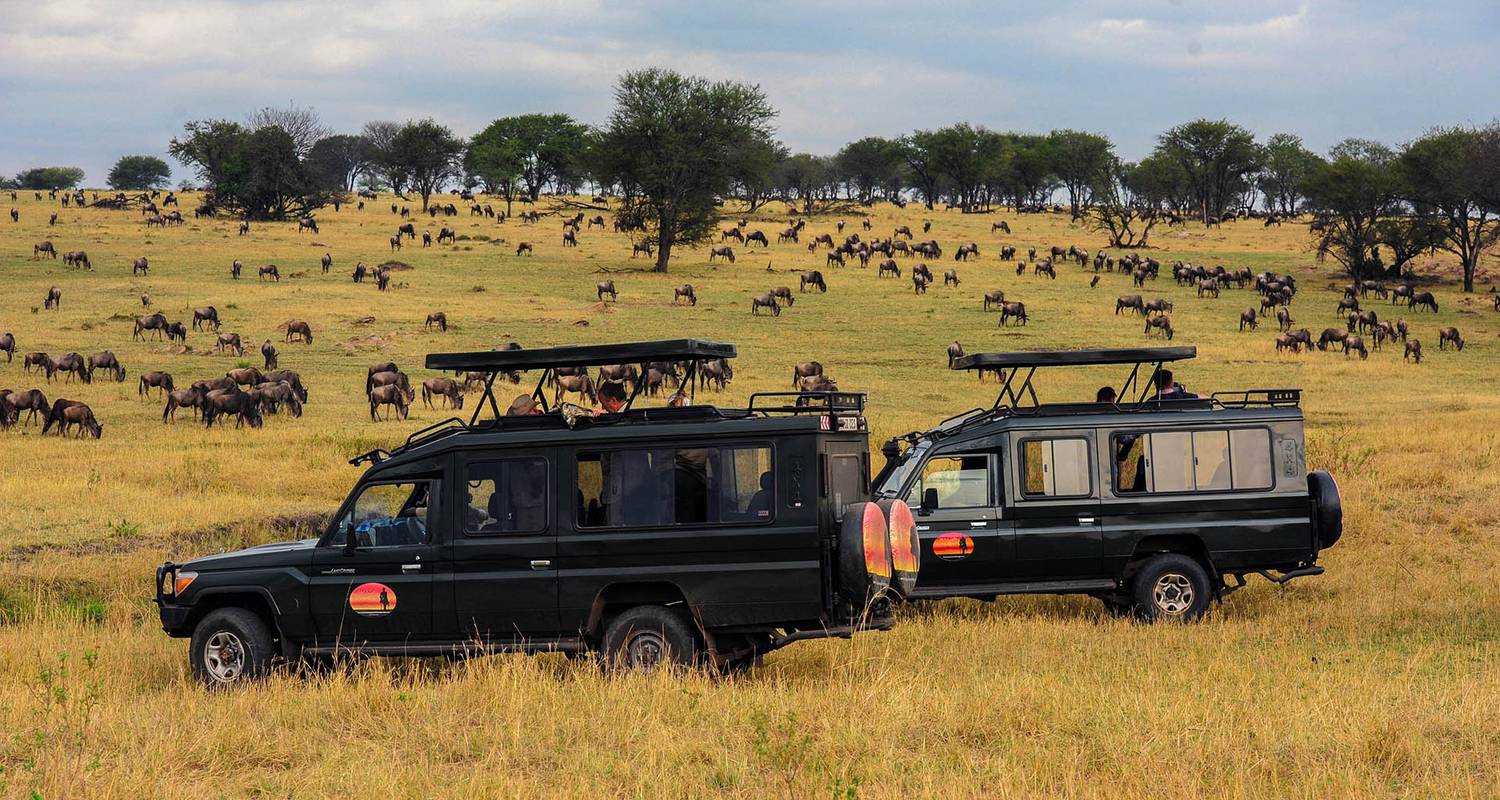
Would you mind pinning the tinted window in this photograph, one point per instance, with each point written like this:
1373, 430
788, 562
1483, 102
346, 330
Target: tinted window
1055, 468
846, 482
675, 486
960, 481
1185, 461
387, 515
506, 496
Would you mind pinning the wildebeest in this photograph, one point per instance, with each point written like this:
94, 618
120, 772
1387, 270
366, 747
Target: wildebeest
230, 341
1347, 303
1447, 335
140, 267
269, 271
955, 352
1001, 225
994, 298
156, 323
359, 272
783, 295
1007, 252
1208, 286
581, 385
1401, 329
950, 277
888, 266
1402, 291
176, 332
205, 315
1044, 267
32, 401
243, 406
73, 364
443, 387
717, 373
524, 247
569, 239
1017, 310
1357, 345
756, 236
919, 281
617, 373
447, 234
1130, 301
105, 360
438, 320
77, 259
606, 287
1413, 351
291, 378
1287, 342
1423, 299
685, 292
275, 394
245, 376
300, 329
307, 224
8, 344
1162, 324
642, 247
67, 413
1249, 318
38, 249
722, 251
244, 227
376, 369
806, 369
327, 262
234, 269
813, 279
395, 242
965, 251
268, 351
1283, 319
154, 380
765, 300
389, 396
835, 259
1330, 336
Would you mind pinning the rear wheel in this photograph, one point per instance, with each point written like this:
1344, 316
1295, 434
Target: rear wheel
649, 638
231, 646
1170, 587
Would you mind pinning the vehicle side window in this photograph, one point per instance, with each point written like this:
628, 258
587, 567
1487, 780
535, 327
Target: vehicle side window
960, 481
505, 496
665, 486
1187, 461
846, 482
1056, 468
388, 515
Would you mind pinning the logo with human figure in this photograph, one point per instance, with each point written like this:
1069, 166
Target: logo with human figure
372, 600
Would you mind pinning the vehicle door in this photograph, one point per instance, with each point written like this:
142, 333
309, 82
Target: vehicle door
955, 502
1055, 508
381, 589
504, 582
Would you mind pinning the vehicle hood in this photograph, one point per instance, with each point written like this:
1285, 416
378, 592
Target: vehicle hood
274, 554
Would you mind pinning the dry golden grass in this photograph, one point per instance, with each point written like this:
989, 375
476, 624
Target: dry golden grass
1380, 678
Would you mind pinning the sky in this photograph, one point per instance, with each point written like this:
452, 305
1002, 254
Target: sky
86, 81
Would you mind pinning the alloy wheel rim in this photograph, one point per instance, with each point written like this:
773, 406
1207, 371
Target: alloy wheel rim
1173, 594
646, 650
224, 656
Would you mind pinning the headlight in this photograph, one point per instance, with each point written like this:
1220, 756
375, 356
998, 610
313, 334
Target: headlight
182, 581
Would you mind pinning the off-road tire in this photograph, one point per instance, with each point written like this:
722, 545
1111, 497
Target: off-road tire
648, 638
230, 647
1170, 588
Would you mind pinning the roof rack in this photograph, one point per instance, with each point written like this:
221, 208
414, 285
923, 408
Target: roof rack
1027, 362
806, 403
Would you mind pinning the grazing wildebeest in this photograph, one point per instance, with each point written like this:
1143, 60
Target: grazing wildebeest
1017, 310
443, 387
965, 251
1403, 291
206, 314
1007, 252
176, 332
1094, 281
1044, 267
524, 247
1447, 335
764, 301
154, 380
395, 242
1162, 324
1330, 336
268, 351
73, 364
382, 278
327, 262
270, 271
234, 269
994, 298
717, 373
42, 247
902, 230
243, 406
955, 352
275, 394
1249, 318
581, 385
291, 378
105, 360
1357, 345
8, 344
68, 413
569, 238
300, 329
437, 319
1002, 225
1287, 342
447, 234
409, 230
1401, 329
32, 401
1421, 299
816, 383
1283, 319
950, 277
1130, 301
230, 341
376, 369
596, 220
731, 233
783, 294
813, 279
641, 248
888, 266
1208, 286
77, 259
919, 282
246, 376
757, 236
1347, 303
1413, 351
805, 370
307, 224
685, 292
722, 251
617, 373
359, 272
140, 267
835, 259
603, 288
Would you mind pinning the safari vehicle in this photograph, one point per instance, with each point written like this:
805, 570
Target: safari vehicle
676, 535
1155, 507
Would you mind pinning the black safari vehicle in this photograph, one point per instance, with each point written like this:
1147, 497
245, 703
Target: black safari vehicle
1153, 506
656, 535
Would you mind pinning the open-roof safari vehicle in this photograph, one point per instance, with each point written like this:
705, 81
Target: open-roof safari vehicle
674, 535
1153, 505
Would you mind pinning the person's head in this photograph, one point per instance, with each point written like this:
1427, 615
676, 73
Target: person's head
612, 397
523, 406
1106, 394
1164, 380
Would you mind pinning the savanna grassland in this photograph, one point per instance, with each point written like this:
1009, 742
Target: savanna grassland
1380, 678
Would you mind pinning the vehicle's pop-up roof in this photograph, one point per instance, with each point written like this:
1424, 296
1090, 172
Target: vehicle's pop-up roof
1027, 362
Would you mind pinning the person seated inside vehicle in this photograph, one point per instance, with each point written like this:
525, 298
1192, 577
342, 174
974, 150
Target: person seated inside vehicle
523, 406
1169, 389
1106, 394
611, 399
760, 502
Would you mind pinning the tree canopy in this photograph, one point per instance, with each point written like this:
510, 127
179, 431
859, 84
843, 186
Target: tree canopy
1217, 157
139, 172
256, 174
427, 154
49, 178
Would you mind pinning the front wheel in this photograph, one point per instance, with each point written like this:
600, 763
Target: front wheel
649, 638
1170, 588
231, 646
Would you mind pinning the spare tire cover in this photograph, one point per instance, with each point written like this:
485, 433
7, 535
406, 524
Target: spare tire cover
904, 548
864, 553
1328, 508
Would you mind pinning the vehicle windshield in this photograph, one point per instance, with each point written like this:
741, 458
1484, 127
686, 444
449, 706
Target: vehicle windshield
896, 471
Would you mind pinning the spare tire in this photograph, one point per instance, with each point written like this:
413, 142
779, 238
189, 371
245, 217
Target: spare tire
903, 546
864, 554
1327, 508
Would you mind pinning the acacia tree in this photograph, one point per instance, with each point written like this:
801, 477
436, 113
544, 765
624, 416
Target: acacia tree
1287, 165
252, 173
1216, 156
1353, 194
1452, 180
339, 160
869, 164
804, 178
139, 172
427, 154
673, 141
49, 178
301, 124
383, 169
1080, 161
1119, 210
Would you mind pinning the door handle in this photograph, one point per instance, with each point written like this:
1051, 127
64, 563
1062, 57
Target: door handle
411, 567
540, 563
1085, 520
980, 524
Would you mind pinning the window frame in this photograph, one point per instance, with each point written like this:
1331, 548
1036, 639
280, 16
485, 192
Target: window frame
1114, 436
1088, 454
433, 517
991, 468
579, 527
547, 500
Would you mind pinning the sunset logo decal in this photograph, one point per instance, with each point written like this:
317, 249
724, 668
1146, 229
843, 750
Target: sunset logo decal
952, 546
372, 600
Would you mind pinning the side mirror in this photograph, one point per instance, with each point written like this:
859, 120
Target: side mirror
929, 500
